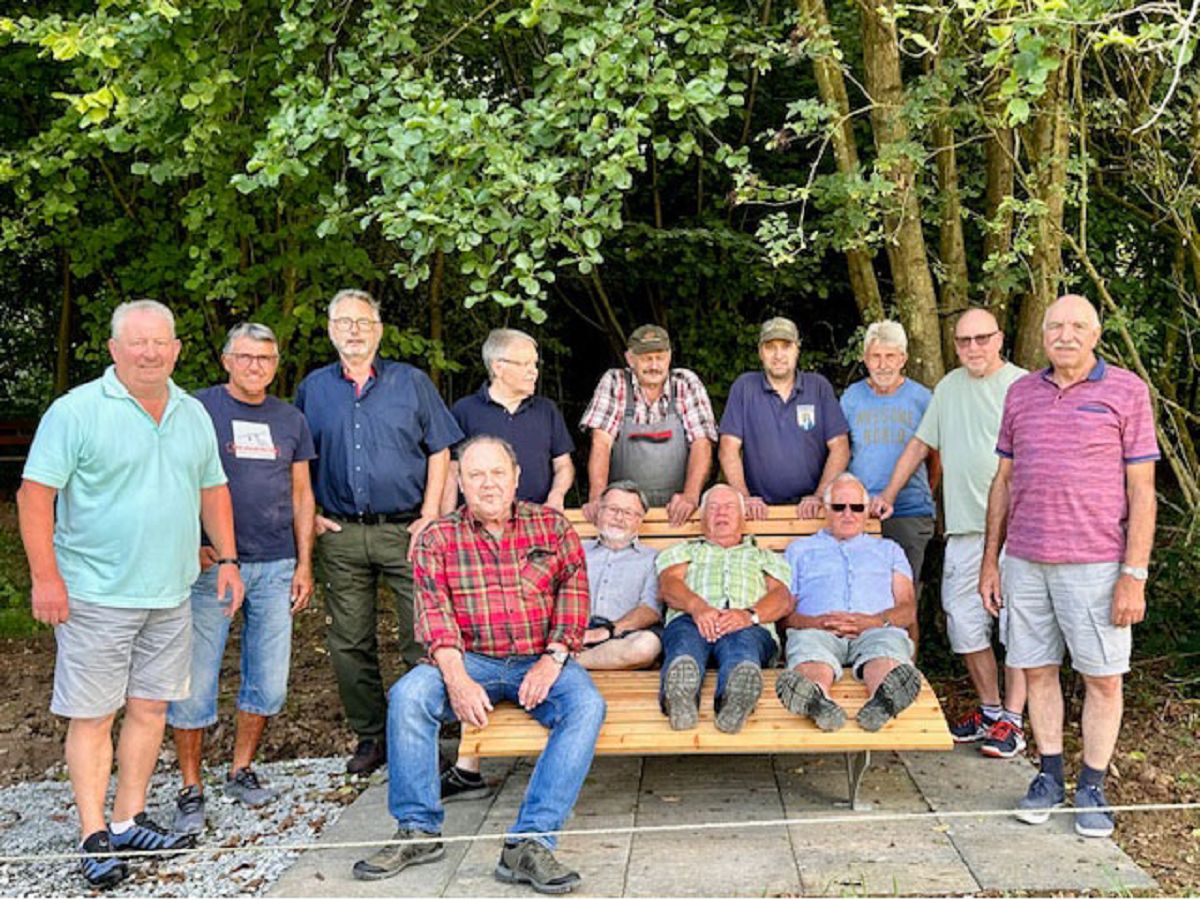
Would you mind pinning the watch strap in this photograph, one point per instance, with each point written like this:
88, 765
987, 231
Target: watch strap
229, 561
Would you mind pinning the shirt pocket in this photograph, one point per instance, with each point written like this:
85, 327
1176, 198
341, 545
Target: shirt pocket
539, 572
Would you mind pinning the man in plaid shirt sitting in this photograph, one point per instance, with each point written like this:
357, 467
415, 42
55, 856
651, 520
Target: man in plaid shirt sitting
501, 601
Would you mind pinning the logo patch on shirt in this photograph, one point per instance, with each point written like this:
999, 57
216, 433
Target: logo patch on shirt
806, 416
252, 440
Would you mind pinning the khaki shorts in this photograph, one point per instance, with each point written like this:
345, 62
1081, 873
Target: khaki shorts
819, 646
1053, 606
108, 653
968, 624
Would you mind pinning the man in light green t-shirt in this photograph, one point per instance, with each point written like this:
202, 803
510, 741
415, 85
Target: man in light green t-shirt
961, 423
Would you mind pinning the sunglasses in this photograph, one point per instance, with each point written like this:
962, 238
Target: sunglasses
853, 507
979, 339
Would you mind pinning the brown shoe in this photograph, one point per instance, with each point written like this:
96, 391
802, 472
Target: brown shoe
370, 754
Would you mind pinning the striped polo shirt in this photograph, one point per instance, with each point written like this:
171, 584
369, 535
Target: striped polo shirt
1069, 448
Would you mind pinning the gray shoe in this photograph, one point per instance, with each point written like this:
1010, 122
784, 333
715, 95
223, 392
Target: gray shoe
189, 811
682, 686
804, 697
395, 858
244, 787
532, 863
742, 691
895, 693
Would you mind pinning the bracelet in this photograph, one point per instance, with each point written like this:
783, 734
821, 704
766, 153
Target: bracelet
229, 561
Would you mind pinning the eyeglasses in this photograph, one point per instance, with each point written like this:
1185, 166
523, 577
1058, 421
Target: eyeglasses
516, 363
853, 507
346, 323
243, 360
618, 513
980, 340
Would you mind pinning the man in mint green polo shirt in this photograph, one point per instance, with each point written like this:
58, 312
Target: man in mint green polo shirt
132, 462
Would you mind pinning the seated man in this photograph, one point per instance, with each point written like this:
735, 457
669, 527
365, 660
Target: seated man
721, 589
623, 631
501, 601
854, 600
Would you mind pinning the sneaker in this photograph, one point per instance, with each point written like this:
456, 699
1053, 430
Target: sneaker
1004, 740
804, 697
189, 811
369, 755
105, 871
895, 694
532, 863
1044, 794
146, 834
972, 727
395, 858
244, 787
681, 685
1089, 821
742, 691
458, 784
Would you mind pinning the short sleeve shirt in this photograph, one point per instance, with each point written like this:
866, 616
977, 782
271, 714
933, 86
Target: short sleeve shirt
727, 578
880, 427
1069, 448
961, 422
784, 442
607, 407
853, 575
621, 580
127, 523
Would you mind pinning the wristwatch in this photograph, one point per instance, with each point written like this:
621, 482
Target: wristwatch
228, 561
885, 621
754, 619
559, 656
1137, 572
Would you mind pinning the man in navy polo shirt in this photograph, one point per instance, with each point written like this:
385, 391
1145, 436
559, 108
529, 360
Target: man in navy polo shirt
784, 437
506, 406
383, 438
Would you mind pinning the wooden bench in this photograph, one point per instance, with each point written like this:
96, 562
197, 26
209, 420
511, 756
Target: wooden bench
636, 726
16, 435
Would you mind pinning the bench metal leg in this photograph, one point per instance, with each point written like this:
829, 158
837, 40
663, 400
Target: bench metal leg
856, 766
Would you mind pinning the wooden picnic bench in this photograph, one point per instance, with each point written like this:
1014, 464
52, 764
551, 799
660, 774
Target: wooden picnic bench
636, 726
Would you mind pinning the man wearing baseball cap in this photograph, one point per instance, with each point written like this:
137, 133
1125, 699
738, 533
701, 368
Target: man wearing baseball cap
784, 437
653, 425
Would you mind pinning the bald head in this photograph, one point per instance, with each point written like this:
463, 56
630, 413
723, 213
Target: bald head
978, 341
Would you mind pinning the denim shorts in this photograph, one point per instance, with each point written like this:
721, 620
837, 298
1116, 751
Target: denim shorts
266, 618
820, 646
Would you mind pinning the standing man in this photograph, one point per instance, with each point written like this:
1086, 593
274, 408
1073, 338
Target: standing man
501, 602
132, 461
265, 448
962, 422
1074, 497
383, 438
507, 407
783, 435
653, 425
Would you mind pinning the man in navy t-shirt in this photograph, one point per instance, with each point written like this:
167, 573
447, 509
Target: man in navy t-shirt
265, 450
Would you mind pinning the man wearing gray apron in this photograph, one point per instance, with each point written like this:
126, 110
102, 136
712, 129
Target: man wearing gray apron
653, 425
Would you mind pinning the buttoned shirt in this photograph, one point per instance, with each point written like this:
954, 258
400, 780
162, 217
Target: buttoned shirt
621, 580
726, 577
607, 407
501, 596
854, 575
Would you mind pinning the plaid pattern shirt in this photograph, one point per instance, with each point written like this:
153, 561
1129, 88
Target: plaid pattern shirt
506, 596
727, 578
607, 408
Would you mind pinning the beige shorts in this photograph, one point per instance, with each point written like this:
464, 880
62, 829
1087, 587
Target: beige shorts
968, 624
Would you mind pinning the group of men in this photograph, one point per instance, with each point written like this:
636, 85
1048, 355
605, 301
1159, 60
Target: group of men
497, 597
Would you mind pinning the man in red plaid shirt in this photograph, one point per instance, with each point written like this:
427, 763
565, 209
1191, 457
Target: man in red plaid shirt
501, 601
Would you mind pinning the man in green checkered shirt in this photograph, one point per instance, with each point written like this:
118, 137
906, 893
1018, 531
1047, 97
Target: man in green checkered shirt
721, 590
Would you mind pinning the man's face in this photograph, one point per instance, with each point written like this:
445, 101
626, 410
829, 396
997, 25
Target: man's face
885, 364
650, 369
144, 351
517, 368
851, 520
723, 517
779, 358
488, 480
620, 517
355, 330
251, 365
1069, 335
977, 341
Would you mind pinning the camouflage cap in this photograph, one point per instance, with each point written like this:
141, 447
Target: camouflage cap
779, 329
648, 339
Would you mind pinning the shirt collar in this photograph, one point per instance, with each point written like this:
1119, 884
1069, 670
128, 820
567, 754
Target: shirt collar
485, 395
1097, 373
113, 387
747, 540
797, 387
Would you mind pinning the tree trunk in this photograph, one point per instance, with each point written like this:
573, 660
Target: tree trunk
951, 246
435, 309
915, 295
1000, 151
62, 356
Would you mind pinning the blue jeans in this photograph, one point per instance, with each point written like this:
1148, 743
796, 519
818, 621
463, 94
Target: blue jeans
418, 703
266, 644
683, 638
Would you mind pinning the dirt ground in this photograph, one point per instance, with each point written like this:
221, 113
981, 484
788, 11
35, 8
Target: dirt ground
1157, 761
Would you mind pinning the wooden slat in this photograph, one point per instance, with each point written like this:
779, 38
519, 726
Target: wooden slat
779, 529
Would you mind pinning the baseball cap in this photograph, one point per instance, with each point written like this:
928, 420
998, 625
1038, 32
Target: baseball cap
779, 329
648, 339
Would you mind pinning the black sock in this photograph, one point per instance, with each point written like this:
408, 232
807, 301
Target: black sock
1052, 765
467, 775
1091, 777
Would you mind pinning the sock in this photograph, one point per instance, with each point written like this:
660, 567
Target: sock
468, 775
990, 712
1091, 777
121, 827
1012, 718
1052, 765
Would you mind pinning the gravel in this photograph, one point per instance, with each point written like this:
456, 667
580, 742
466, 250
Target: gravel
39, 817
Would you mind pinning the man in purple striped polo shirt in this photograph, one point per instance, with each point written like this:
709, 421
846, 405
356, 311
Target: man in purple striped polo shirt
1074, 498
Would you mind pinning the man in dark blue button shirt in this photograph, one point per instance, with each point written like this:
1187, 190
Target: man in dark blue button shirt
383, 438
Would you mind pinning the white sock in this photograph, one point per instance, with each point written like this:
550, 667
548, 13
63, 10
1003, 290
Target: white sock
121, 827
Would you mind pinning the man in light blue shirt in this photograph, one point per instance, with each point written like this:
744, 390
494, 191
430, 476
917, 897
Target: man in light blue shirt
854, 598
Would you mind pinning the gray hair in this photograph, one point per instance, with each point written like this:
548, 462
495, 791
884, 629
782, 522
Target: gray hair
728, 487
845, 477
887, 332
252, 330
488, 439
499, 340
353, 294
121, 313
1093, 315
629, 486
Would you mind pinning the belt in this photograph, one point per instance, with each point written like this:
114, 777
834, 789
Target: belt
376, 518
